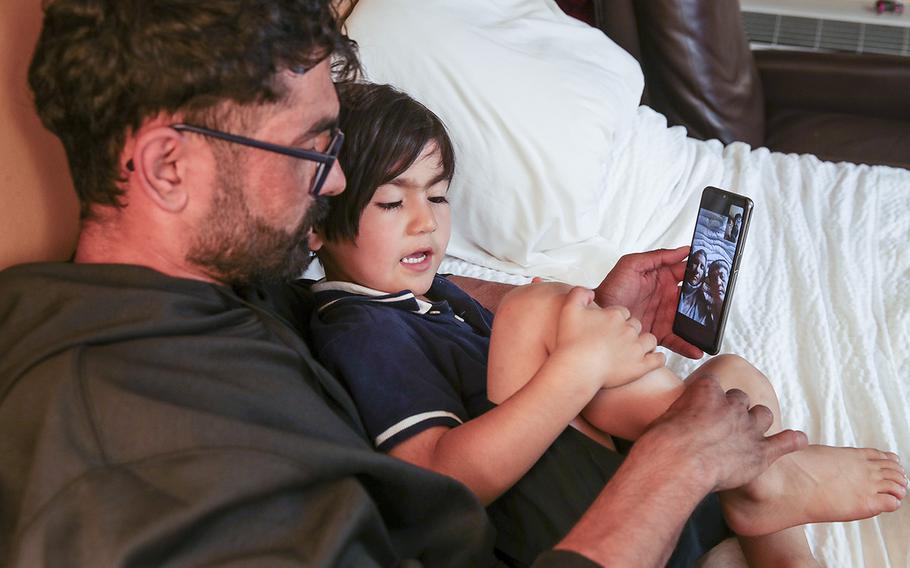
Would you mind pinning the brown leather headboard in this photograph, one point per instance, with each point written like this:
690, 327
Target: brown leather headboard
711, 86
38, 208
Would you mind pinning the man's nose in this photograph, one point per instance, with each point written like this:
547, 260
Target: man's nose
335, 182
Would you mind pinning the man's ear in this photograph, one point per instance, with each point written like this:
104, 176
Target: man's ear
156, 160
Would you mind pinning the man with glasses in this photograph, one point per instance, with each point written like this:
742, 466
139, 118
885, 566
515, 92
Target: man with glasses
157, 401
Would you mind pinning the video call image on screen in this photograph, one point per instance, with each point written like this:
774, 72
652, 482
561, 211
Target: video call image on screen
704, 287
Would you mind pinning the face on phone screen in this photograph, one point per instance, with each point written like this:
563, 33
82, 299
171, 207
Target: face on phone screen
711, 261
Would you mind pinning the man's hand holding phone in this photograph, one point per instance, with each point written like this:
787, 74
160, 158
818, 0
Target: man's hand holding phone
647, 283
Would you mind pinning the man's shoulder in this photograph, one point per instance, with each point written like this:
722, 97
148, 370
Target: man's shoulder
136, 328
34, 279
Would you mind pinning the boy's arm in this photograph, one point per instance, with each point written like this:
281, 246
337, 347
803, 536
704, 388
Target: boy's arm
491, 452
646, 283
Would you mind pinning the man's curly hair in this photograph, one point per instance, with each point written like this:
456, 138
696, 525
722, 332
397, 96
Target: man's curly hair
102, 67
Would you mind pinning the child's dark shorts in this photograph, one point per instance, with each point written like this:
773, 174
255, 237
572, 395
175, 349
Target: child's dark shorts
541, 508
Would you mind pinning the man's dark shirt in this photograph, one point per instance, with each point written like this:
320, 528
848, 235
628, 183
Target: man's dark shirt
149, 420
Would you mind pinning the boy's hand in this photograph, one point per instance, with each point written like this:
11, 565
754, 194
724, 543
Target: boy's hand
606, 344
647, 284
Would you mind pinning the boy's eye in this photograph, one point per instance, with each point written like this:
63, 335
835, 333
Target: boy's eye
439, 199
389, 205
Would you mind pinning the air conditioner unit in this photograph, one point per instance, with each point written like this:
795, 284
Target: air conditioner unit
826, 25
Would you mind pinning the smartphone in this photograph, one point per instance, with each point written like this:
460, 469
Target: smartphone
707, 288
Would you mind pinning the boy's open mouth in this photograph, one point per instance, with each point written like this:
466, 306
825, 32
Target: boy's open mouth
417, 257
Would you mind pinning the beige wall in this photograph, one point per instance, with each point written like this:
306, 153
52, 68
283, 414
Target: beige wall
38, 208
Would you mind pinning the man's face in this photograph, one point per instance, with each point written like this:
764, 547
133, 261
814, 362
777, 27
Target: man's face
695, 271
717, 282
261, 211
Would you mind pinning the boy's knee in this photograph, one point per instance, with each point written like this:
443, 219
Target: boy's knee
735, 372
532, 310
731, 362
534, 300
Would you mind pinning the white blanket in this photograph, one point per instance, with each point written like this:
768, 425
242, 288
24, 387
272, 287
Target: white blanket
822, 302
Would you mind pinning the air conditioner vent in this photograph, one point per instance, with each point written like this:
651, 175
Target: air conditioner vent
825, 35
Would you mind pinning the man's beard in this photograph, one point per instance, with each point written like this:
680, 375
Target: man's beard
237, 249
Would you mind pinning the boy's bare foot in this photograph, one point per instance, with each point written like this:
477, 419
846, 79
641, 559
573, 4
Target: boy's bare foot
817, 484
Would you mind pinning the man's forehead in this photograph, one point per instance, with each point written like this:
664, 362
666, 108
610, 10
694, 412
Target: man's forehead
314, 88
310, 99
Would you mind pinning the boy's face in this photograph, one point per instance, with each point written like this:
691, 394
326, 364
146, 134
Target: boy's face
404, 231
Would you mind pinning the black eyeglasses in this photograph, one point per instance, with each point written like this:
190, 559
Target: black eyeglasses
326, 159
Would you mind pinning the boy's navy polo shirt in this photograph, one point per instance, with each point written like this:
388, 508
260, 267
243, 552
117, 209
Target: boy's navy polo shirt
408, 364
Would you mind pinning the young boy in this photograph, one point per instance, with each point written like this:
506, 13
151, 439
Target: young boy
441, 387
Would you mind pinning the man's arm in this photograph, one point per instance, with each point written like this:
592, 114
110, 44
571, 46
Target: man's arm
646, 283
244, 507
489, 294
707, 441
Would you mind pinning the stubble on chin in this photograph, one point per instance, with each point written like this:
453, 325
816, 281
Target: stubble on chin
238, 249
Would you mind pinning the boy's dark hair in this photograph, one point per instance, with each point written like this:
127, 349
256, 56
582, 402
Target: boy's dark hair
385, 131
101, 67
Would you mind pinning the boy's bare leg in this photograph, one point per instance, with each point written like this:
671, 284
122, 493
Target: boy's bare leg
788, 547
524, 335
628, 410
656, 391
817, 484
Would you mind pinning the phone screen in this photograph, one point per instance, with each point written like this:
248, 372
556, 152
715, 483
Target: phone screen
707, 287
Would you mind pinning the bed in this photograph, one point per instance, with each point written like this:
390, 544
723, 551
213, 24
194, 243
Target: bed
560, 172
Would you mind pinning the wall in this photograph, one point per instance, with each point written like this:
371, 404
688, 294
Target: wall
38, 208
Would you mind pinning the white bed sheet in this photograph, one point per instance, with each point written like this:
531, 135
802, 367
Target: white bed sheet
822, 296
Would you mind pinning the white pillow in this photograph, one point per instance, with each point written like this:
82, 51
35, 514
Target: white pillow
532, 100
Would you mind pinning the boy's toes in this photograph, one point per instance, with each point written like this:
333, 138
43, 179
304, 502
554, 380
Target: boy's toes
892, 470
890, 487
895, 474
886, 501
874, 454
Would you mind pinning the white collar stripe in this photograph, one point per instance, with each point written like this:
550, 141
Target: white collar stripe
411, 421
369, 293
